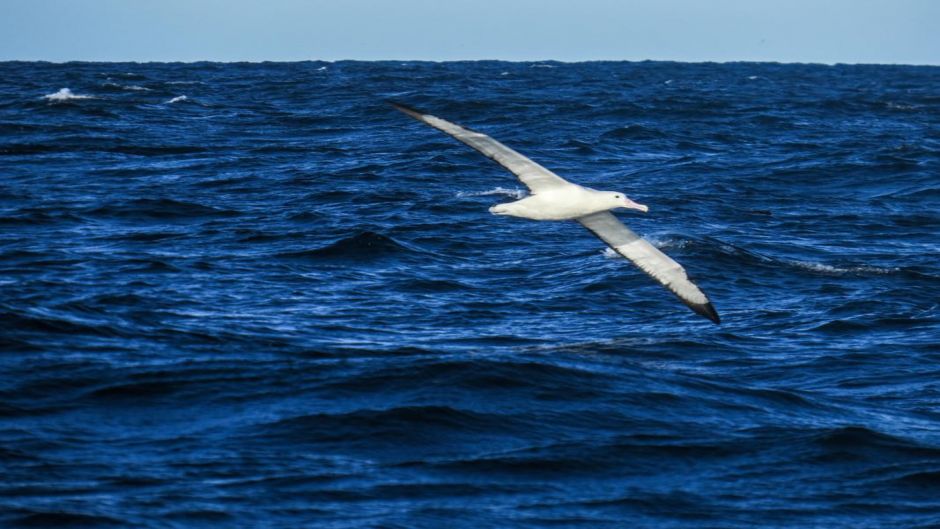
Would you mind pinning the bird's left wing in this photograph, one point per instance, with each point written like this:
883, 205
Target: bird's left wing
649, 259
533, 175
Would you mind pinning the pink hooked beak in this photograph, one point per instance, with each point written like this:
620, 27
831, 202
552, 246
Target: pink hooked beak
627, 203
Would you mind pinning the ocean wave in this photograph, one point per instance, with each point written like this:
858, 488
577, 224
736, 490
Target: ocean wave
669, 242
737, 252
177, 99
929, 479
840, 270
634, 132
363, 246
161, 208
901, 106
727, 250
475, 374
156, 150
663, 243
390, 425
52, 322
61, 518
131, 76
137, 390
920, 191
857, 439
430, 285
64, 94
130, 88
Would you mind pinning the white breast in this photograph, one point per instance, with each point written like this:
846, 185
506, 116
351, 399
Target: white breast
563, 203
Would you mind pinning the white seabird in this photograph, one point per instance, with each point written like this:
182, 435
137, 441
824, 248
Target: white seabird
554, 198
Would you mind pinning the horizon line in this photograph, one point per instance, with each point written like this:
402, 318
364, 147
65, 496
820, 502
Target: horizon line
439, 61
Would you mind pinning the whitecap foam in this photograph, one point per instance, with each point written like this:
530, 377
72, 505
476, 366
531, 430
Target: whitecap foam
900, 106
514, 193
65, 94
836, 270
131, 87
177, 99
185, 82
666, 242
659, 242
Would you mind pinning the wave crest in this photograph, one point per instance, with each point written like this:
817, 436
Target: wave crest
64, 94
363, 246
513, 193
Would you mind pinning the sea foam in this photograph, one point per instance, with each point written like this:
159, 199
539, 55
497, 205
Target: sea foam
837, 270
514, 193
65, 94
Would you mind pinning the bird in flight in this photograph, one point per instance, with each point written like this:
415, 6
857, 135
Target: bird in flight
554, 198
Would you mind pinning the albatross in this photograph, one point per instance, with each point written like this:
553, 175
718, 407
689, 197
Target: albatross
551, 197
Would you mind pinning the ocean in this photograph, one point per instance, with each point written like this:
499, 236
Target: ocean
255, 295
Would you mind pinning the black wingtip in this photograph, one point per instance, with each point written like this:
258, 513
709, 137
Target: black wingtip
417, 114
707, 310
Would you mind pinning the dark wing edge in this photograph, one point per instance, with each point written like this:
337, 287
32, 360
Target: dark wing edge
531, 174
417, 114
423, 118
651, 260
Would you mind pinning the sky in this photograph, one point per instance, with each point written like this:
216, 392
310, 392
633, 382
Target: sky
824, 31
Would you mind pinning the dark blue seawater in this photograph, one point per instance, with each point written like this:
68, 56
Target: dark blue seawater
255, 295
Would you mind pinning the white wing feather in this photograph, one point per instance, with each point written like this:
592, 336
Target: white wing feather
649, 259
533, 175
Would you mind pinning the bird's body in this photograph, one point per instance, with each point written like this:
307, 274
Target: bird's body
554, 198
564, 202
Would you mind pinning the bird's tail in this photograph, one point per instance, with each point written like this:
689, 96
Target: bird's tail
500, 209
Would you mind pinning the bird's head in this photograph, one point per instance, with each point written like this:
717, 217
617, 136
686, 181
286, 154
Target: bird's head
620, 200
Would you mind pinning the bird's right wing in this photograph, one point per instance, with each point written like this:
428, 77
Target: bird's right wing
649, 259
533, 175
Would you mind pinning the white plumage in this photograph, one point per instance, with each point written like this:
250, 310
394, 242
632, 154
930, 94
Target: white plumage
554, 198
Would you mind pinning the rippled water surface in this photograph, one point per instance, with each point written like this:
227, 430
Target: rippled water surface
254, 295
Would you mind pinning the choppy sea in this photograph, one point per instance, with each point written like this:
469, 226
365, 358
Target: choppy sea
255, 295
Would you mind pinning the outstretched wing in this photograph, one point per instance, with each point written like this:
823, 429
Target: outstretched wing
533, 175
649, 259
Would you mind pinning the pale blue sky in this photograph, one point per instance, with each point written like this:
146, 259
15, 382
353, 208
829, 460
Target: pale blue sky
829, 31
